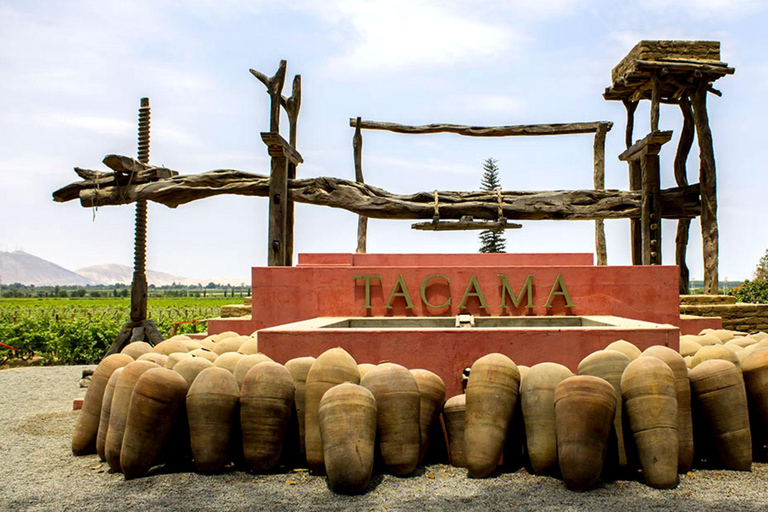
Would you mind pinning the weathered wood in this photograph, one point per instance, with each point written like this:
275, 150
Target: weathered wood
650, 219
486, 131
648, 144
274, 85
280, 148
374, 202
655, 95
292, 107
635, 183
278, 206
708, 183
362, 221
598, 149
466, 223
696, 51
681, 178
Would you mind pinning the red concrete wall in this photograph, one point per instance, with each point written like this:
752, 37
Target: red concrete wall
447, 260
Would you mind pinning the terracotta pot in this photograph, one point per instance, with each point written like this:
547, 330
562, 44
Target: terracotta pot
266, 402
230, 344
397, 421
720, 397
626, 348
174, 358
136, 349
190, 368
707, 338
715, 352
610, 365
492, 392
87, 425
228, 361
679, 368
688, 345
155, 402
299, 368
191, 344
364, 368
121, 401
347, 418
250, 346
537, 397
209, 342
332, 367
106, 408
432, 392
170, 346
650, 400
454, 415
205, 354
245, 363
585, 407
154, 357
724, 334
755, 368
212, 403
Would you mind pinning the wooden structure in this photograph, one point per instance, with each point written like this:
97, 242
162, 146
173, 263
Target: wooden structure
679, 73
664, 72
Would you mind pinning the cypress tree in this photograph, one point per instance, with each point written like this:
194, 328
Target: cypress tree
491, 240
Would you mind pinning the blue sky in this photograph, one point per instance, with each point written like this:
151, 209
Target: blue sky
73, 73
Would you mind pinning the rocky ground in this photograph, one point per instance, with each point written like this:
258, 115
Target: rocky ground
39, 472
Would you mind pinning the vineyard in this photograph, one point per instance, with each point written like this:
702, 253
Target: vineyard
79, 330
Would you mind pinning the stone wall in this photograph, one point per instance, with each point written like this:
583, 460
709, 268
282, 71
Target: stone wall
739, 317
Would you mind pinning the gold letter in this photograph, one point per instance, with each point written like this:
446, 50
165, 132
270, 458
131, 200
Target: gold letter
563, 291
367, 288
424, 291
473, 285
400, 284
506, 290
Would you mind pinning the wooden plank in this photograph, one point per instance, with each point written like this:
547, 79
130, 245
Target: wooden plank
598, 150
708, 182
464, 224
649, 144
654, 50
486, 131
277, 146
278, 210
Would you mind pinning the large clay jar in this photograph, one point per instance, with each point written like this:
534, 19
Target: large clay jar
537, 397
87, 426
136, 349
398, 401
347, 418
230, 344
715, 352
515, 449
106, 408
154, 357
610, 365
204, 353
585, 407
755, 368
332, 367
688, 345
212, 403
707, 338
174, 358
454, 415
650, 400
266, 402
121, 401
679, 368
249, 346
626, 348
719, 396
245, 363
432, 392
170, 346
492, 392
299, 368
155, 402
364, 368
191, 367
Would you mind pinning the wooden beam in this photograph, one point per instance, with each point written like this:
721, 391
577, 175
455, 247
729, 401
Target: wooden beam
292, 107
635, 183
681, 178
598, 149
486, 131
650, 217
279, 147
362, 220
651, 143
464, 224
274, 85
278, 212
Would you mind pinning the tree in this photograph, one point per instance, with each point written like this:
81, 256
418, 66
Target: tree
491, 240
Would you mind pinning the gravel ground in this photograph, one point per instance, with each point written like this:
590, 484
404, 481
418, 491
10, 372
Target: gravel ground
39, 472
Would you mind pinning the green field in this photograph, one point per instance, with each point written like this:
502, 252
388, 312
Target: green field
79, 330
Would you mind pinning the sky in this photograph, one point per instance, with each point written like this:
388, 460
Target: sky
74, 72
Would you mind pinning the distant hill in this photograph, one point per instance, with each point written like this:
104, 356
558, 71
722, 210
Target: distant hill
25, 268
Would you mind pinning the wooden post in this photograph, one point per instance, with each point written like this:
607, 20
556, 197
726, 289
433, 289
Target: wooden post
635, 183
681, 178
139, 283
362, 220
708, 184
292, 107
599, 182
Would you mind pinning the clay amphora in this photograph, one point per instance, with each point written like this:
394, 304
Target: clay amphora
209, 342
650, 401
724, 334
191, 344
227, 334
537, 397
250, 346
174, 358
585, 407
679, 368
299, 368
707, 338
715, 352
155, 402
454, 415
170, 346
87, 426
626, 348
228, 361
719, 396
204, 353
432, 392
492, 393
154, 357
347, 419
332, 367
266, 402
136, 349
755, 368
398, 433
190, 368
610, 365
689, 345
245, 363
212, 403
364, 368
106, 407
118, 415
230, 344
